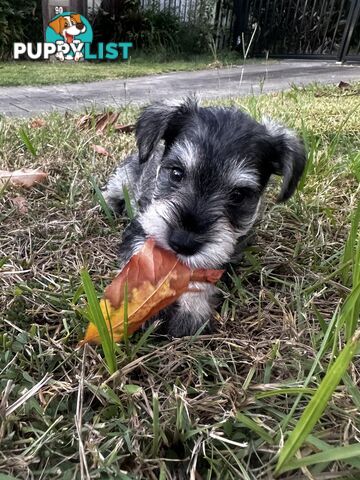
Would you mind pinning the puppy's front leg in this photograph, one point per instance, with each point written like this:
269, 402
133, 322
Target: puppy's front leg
192, 311
132, 241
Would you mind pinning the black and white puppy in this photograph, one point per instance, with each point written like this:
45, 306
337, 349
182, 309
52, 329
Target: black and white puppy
198, 192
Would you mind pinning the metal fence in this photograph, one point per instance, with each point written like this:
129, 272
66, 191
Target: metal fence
218, 14
289, 28
184, 9
300, 28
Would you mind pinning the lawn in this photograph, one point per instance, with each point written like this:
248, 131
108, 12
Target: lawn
208, 407
14, 73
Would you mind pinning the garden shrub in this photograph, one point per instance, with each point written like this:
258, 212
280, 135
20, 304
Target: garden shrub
156, 29
20, 21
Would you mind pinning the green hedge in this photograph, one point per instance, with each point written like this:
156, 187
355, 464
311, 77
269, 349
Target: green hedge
20, 21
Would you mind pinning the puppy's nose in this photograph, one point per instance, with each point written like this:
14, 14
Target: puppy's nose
183, 242
80, 26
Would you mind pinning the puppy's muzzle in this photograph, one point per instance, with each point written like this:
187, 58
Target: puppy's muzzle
183, 242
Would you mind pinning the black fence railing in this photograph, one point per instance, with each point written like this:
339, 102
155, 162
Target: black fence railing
217, 14
300, 28
288, 28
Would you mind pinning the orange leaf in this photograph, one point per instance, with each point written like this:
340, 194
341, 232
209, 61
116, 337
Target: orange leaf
105, 120
155, 279
101, 150
99, 121
124, 128
20, 203
25, 177
37, 123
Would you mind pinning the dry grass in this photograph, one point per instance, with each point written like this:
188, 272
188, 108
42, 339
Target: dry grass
173, 409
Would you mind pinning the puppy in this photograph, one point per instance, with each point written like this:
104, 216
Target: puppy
198, 192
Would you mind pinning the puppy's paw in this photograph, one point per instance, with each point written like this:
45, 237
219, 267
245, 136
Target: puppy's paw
183, 324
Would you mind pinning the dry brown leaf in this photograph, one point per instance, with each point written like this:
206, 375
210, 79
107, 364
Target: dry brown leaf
24, 177
124, 128
37, 123
155, 279
20, 203
342, 84
105, 121
83, 121
98, 121
100, 150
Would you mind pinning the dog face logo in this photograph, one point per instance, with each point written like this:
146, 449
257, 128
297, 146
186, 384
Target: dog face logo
68, 26
69, 31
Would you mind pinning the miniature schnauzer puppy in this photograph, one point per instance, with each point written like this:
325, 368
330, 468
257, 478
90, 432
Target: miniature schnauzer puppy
197, 180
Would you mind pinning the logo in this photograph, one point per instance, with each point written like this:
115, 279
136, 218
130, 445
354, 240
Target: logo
68, 37
69, 32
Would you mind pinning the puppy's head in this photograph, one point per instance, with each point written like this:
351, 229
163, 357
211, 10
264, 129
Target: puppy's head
214, 168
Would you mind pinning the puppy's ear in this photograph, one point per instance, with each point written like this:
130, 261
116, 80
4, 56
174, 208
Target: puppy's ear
288, 157
161, 121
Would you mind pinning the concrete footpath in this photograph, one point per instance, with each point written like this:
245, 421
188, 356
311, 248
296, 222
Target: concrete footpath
226, 82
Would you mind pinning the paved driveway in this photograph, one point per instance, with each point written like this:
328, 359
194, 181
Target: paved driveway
226, 82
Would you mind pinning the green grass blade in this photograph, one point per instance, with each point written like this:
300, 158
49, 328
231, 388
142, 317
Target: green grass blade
354, 316
311, 146
3, 261
102, 202
156, 426
255, 427
321, 446
350, 249
352, 307
126, 319
351, 310
6, 477
285, 391
99, 321
318, 403
329, 455
27, 142
323, 348
352, 389
128, 206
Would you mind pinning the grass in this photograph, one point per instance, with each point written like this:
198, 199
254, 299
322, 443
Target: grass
96, 317
14, 73
232, 405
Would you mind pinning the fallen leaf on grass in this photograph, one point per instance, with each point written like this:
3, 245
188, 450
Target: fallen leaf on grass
342, 84
98, 121
155, 278
20, 203
37, 123
101, 150
124, 128
215, 64
24, 177
106, 120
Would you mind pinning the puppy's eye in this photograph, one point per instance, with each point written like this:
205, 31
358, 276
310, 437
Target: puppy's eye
238, 195
176, 174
